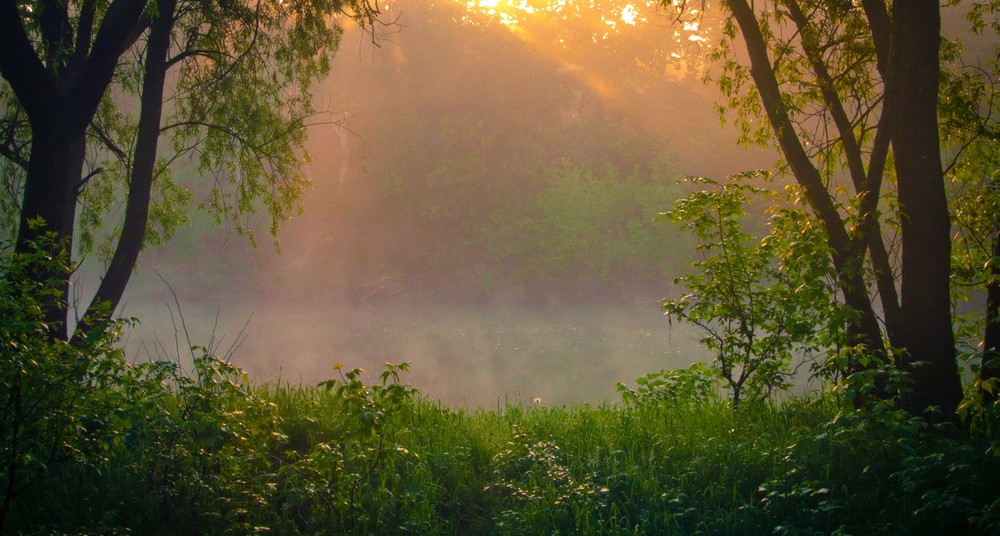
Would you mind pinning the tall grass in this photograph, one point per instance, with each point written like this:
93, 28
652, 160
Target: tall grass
223, 457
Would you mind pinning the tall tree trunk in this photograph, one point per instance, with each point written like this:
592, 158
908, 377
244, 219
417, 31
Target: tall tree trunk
926, 325
50, 195
119, 271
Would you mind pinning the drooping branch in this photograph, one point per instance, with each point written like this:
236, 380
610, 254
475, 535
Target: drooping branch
249, 48
108, 143
979, 123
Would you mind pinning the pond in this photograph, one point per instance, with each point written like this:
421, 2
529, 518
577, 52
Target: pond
463, 356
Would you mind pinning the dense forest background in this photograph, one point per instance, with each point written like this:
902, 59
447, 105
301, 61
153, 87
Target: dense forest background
475, 184
472, 165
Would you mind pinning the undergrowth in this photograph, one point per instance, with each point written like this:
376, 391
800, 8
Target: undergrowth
210, 454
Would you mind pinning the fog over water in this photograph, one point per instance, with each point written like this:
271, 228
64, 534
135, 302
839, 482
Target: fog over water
466, 357
447, 221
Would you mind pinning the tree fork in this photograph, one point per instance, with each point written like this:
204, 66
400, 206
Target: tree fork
59, 104
848, 257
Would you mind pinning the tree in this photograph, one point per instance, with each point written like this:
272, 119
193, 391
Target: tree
90, 88
925, 300
850, 93
760, 301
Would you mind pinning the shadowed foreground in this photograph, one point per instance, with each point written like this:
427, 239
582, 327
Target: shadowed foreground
206, 453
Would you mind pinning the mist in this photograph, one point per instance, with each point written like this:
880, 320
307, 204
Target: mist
481, 207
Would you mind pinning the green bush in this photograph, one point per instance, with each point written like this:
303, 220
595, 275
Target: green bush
55, 407
695, 385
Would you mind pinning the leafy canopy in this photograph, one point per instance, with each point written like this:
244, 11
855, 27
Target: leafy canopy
237, 98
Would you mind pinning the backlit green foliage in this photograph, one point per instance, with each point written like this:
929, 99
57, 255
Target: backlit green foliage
762, 302
694, 385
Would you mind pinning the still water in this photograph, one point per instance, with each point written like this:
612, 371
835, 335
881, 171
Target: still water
462, 356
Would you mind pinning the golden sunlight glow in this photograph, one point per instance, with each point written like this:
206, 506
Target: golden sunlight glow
513, 13
693, 27
563, 29
630, 14
507, 12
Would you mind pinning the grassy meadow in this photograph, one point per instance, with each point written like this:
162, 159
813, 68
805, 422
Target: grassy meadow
167, 451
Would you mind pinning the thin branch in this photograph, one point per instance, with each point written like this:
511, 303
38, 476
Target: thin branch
180, 314
83, 182
108, 143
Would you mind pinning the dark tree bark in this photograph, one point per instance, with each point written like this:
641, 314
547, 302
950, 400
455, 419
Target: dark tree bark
119, 271
881, 27
911, 96
990, 367
55, 165
848, 254
60, 96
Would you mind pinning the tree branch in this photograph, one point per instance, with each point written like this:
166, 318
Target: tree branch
9, 147
57, 34
118, 31
84, 31
20, 65
108, 143
881, 26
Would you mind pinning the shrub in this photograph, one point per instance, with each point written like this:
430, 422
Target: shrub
695, 385
55, 407
761, 302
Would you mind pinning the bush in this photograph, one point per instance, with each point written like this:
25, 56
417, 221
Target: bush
106, 442
55, 407
695, 385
